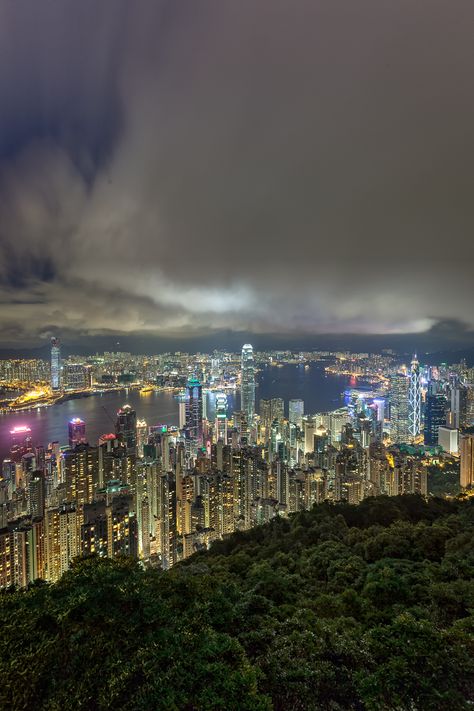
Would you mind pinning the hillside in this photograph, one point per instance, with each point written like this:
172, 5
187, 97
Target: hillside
365, 608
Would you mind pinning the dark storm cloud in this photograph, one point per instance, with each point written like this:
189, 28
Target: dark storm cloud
262, 166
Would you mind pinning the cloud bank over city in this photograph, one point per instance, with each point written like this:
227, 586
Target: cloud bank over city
181, 169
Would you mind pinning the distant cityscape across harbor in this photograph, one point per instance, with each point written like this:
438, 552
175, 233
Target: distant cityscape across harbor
158, 456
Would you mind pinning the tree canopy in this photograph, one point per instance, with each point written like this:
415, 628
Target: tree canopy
341, 607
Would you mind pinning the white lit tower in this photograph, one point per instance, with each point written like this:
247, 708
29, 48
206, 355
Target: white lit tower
55, 364
221, 417
414, 400
248, 383
399, 408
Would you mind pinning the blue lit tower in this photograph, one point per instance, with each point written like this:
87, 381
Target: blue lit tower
194, 412
55, 364
414, 400
248, 383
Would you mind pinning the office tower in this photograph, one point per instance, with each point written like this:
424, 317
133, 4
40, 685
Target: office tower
248, 383
126, 428
435, 413
55, 364
309, 429
414, 400
466, 449
458, 415
399, 408
142, 436
296, 412
76, 376
448, 439
265, 409
182, 412
81, 473
76, 432
271, 410
215, 368
278, 409
221, 417
194, 414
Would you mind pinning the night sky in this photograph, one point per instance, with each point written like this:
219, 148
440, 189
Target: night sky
283, 170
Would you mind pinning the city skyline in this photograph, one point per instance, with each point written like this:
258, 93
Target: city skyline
172, 186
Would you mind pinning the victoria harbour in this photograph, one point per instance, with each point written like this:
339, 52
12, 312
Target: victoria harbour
319, 391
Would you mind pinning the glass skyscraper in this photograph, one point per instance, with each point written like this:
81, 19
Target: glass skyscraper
296, 412
126, 428
414, 400
55, 364
248, 382
399, 410
194, 413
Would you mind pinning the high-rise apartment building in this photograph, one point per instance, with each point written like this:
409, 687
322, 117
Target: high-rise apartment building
466, 450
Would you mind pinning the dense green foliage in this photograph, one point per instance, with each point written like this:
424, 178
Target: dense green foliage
444, 480
365, 608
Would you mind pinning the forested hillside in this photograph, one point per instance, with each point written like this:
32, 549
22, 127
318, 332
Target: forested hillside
341, 607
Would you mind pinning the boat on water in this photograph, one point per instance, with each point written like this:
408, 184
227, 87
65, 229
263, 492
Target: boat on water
146, 390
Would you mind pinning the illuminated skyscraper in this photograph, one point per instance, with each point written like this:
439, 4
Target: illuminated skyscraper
142, 436
435, 413
399, 410
414, 400
76, 431
221, 417
466, 449
248, 382
126, 428
296, 412
194, 413
55, 364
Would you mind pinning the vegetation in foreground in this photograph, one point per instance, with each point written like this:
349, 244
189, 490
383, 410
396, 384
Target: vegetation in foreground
341, 607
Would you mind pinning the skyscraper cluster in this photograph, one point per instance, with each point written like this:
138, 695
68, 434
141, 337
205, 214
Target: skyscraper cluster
160, 492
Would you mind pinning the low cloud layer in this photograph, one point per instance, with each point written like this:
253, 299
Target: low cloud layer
259, 166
